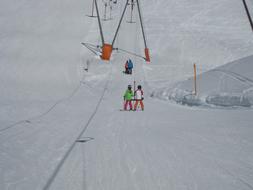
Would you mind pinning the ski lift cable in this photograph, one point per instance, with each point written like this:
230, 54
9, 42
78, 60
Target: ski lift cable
131, 53
29, 120
93, 50
92, 45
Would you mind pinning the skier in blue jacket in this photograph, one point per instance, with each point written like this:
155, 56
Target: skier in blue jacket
130, 66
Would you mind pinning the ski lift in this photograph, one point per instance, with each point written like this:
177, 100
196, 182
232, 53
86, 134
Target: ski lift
106, 4
110, 9
105, 50
132, 4
92, 10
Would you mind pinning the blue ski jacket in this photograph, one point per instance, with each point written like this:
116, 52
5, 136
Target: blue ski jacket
130, 64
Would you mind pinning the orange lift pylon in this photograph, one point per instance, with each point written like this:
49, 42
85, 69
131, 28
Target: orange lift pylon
107, 48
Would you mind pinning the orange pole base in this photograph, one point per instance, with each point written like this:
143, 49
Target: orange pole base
106, 52
147, 54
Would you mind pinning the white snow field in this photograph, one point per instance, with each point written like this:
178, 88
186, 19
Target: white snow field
230, 85
61, 127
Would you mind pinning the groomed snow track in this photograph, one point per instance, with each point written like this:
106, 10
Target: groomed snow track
77, 140
165, 147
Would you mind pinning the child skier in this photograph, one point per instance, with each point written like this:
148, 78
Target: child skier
126, 67
130, 66
139, 98
128, 98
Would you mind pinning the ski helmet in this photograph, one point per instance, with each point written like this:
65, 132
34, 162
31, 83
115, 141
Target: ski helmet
139, 86
129, 86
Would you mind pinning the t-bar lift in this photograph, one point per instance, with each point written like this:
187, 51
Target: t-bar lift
108, 48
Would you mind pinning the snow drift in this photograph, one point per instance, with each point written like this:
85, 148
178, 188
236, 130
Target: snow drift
227, 86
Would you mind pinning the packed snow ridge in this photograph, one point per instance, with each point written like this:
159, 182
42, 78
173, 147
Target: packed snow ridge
230, 85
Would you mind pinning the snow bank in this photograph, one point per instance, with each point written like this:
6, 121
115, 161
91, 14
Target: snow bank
230, 85
228, 100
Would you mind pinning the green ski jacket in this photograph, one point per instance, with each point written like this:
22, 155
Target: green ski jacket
128, 95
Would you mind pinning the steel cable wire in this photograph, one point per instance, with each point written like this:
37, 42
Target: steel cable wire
28, 120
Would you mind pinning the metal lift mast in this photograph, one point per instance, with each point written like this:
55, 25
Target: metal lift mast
108, 48
143, 33
99, 23
117, 31
248, 14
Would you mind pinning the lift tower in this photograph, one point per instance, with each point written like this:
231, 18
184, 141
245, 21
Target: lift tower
107, 48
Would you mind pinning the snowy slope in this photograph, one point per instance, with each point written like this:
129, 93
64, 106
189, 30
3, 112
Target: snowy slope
228, 85
204, 32
166, 146
40, 55
61, 127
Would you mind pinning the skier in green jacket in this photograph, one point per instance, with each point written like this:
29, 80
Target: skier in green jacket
128, 97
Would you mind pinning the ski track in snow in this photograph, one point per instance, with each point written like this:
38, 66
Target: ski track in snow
68, 152
83, 141
236, 76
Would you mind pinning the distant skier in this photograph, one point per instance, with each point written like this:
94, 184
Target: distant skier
128, 98
126, 67
130, 66
138, 98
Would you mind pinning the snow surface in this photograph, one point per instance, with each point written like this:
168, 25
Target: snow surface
61, 127
230, 85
